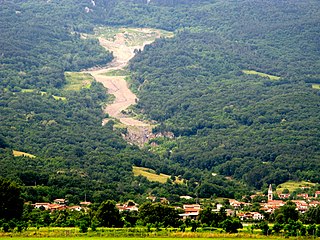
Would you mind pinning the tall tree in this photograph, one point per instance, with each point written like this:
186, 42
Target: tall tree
11, 204
109, 215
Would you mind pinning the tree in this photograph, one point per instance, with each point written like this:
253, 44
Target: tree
231, 225
312, 215
158, 213
109, 215
286, 213
206, 216
11, 204
264, 227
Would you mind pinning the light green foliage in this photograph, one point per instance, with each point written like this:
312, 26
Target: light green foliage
118, 72
316, 86
75, 81
251, 72
293, 185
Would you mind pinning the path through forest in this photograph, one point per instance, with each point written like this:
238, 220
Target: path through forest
123, 44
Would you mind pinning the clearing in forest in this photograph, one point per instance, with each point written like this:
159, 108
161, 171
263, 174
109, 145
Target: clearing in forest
43, 94
77, 80
22, 154
151, 175
292, 186
316, 86
252, 72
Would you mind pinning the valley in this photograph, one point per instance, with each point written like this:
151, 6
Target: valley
123, 43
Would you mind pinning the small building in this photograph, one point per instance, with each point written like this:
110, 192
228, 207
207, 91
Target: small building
56, 207
250, 216
85, 204
284, 195
314, 203
75, 208
41, 205
190, 211
129, 206
303, 195
60, 201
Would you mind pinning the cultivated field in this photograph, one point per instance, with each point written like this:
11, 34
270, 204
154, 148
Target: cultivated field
151, 175
251, 72
77, 80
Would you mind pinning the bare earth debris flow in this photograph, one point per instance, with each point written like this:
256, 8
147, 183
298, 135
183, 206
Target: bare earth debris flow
123, 43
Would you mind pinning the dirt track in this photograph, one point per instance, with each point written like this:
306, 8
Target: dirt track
138, 131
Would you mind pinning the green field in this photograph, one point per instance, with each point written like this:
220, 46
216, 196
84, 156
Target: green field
118, 72
149, 238
77, 80
252, 72
291, 185
71, 233
151, 175
316, 86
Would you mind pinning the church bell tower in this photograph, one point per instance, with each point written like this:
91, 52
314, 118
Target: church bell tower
270, 194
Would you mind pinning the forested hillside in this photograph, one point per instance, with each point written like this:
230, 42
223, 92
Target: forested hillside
255, 127
69, 153
234, 86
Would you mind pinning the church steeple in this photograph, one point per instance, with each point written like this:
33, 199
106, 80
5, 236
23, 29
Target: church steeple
270, 194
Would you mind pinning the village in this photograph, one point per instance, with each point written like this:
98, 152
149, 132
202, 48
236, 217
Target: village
231, 207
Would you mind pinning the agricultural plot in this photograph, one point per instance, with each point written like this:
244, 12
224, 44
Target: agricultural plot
252, 72
151, 175
23, 154
77, 80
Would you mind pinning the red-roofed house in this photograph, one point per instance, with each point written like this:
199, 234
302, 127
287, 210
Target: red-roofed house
190, 211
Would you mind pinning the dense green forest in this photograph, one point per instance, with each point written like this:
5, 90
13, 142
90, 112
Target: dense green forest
257, 129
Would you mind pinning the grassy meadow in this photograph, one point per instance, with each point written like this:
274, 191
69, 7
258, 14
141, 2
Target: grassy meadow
251, 72
316, 86
24, 154
150, 238
77, 80
117, 72
292, 185
151, 175
130, 233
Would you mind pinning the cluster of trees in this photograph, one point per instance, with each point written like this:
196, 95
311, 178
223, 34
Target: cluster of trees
39, 43
291, 222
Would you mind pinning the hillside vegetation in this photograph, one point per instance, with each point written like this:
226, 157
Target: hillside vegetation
251, 127
258, 126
